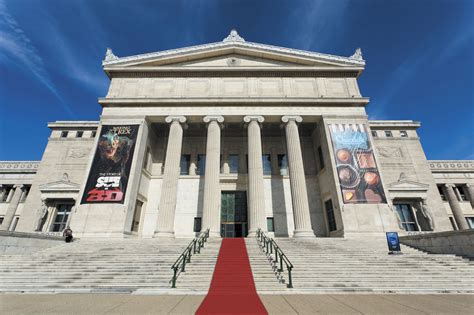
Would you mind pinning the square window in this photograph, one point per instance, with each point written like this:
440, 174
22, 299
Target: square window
388, 134
93, 133
197, 224
330, 215
403, 134
233, 163
184, 164
201, 167
374, 134
64, 134
270, 225
283, 164
79, 134
321, 158
267, 164
470, 222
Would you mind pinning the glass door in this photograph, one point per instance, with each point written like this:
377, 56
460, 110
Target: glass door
234, 214
405, 212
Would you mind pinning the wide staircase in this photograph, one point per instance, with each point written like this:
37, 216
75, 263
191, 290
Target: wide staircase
336, 265
108, 265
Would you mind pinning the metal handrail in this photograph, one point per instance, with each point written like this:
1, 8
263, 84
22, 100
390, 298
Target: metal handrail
185, 258
271, 248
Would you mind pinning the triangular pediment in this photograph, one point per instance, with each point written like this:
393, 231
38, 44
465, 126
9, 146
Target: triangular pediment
407, 185
245, 54
59, 186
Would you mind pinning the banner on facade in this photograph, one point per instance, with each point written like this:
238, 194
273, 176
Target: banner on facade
108, 176
357, 171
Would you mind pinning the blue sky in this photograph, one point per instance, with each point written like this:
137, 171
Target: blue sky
420, 56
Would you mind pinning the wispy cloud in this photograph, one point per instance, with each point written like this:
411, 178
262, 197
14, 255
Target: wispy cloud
316, 18
429, 53
17, 48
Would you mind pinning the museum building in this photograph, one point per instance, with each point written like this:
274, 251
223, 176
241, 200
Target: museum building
235, 136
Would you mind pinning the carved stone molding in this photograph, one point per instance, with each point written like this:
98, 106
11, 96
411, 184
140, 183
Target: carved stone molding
19, 167
180, 119
451, 165
288, 118
259, 119
390, 152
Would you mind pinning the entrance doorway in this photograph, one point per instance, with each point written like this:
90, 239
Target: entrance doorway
234, 214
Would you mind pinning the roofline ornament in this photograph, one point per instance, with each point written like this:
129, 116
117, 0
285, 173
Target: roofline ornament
109, 55
357, 54
233, 37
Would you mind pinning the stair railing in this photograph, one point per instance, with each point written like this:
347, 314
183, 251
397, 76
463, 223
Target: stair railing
275, 253
185, 258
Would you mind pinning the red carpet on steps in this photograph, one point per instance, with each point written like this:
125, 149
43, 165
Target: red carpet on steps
232, 289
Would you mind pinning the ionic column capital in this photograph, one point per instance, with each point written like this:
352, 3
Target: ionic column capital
180, 119
207, 119
287, 118
249, 118
449, 185
18, 186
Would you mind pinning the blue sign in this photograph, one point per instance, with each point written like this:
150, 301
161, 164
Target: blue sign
393, 241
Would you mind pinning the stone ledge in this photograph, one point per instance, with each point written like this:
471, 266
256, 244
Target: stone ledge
449, 242
32, 235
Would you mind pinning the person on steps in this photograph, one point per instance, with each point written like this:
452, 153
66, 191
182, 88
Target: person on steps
67, 234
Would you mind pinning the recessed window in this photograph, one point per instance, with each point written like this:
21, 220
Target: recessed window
270, 225
233, 162
267, 164
64, 134
79, 134
1, 220
93, 133
6, 193
374, 133
470, 222
441, 192
62, 216
201, 167
388, 134
197, 224
321, 158
184, 164
453, 223
403, 133
405, 213
330, 215
283, 164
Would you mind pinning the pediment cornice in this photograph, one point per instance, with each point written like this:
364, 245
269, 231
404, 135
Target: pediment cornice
408, 185
59, 186
233, 44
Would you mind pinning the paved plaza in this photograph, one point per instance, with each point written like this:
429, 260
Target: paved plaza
275, 304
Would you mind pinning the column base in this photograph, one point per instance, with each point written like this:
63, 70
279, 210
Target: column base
304, 234
164, 234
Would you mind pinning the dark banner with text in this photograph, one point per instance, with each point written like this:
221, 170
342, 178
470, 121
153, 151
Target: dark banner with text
355, 164
108, 176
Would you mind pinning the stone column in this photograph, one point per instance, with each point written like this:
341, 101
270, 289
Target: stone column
2, 192
14, 201
211, 211
299, 195
470, 192
455, 207
256, 209
169, 188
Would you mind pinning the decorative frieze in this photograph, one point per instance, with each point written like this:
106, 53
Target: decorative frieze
19, 166
451, 166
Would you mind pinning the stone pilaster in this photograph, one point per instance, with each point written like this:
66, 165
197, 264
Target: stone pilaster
299, 194
255, 192
455, 207
470, 192
169, 189
14, 201
211, 211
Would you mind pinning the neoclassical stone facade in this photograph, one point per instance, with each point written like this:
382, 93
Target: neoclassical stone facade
234, 136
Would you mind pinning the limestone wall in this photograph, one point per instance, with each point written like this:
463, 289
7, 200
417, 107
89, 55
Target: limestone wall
450, 242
